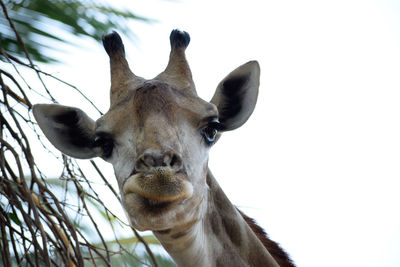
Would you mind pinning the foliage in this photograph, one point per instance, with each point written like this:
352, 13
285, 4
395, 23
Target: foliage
41, 22
61, 221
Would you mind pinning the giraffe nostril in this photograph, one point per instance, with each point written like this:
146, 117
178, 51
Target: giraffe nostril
172, 160
140, 165
176, 162
150, 161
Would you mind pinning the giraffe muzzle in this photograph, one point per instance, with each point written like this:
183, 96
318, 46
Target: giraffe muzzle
161, 185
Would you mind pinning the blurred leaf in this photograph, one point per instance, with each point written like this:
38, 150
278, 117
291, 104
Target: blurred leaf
14, 218
41, 21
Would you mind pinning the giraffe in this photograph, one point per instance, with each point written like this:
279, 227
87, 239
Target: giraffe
157, 135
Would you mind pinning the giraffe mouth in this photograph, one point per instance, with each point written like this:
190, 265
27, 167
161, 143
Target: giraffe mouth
155, 205
153, 200
160, 187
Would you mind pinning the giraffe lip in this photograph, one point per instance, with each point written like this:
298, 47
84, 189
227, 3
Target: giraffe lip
159, 187
155, 204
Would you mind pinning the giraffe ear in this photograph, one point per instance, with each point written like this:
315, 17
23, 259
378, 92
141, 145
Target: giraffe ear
69, 129
236, 95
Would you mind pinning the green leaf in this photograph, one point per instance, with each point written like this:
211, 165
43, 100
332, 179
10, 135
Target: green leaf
14, 218
39, 20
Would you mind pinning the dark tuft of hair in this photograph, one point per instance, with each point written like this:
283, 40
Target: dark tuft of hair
112, 43
280, 256
179, 39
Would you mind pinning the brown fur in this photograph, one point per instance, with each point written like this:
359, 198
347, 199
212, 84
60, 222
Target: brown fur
231, 229
280, 256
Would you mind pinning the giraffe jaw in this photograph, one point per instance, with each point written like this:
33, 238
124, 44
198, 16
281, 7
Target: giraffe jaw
146, 214
155, 200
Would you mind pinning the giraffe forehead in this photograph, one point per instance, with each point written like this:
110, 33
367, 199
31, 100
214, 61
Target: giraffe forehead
155, 99
163, 99
158, 99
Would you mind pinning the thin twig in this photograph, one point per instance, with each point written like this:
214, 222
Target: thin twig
22, 44
38, 227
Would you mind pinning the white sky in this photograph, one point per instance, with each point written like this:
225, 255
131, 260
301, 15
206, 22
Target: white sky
318, 163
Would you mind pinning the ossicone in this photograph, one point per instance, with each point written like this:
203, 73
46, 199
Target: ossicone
122, 78
179, 39
112, 43
177, 72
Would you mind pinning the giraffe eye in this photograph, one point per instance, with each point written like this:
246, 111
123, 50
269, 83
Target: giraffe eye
210, 132
106, 144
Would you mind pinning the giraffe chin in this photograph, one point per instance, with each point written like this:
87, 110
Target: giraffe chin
153, 200
148, 214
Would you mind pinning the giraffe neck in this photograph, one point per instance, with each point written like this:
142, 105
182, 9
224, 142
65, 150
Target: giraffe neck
221, 237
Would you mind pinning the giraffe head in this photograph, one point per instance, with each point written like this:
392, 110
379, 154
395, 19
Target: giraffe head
157, 133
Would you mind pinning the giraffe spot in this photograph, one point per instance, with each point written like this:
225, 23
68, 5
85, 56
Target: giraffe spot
215, 223
233, 231
222, 202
